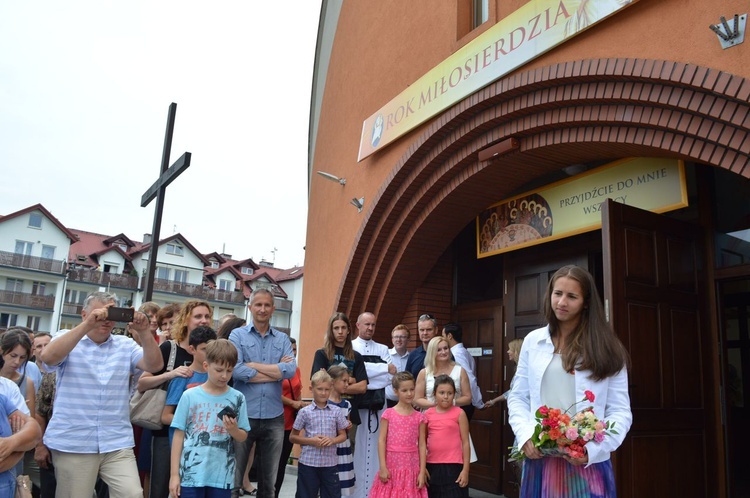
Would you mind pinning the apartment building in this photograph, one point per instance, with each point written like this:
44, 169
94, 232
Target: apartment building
33, 253
47, 270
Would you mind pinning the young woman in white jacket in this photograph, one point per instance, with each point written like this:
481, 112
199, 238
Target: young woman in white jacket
576, 352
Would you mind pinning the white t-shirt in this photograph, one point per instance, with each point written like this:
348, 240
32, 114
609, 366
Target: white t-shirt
558, 386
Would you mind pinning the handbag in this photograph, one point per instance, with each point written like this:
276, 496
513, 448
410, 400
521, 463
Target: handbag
23, 487
372, 400
146, 407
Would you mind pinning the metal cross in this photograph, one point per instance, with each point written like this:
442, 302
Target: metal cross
158, 190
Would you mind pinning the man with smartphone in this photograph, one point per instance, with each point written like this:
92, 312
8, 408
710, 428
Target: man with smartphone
90, 434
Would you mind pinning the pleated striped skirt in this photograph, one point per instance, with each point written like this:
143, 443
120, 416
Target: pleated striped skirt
555, 478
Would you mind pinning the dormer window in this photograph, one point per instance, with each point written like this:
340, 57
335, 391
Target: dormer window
175, 249
214, 264
123, 247
246, 270
35, 220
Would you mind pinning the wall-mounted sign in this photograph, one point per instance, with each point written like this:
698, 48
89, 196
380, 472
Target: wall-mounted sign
527, 33
474, 351
572, 206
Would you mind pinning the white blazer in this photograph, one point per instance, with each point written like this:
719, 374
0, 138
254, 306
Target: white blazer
611, 403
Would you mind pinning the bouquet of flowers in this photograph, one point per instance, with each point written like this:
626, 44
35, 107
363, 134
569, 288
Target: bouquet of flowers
558, 433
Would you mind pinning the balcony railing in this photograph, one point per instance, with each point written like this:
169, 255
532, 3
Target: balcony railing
72, 309
282, 304
197, 291
103, 278
31, 262
25, 299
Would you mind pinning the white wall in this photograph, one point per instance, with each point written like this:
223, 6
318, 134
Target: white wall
49, 234
189, 262
112, 257
226, 275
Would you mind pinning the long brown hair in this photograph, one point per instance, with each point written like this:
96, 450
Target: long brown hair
593, 345
329, 343
179, 330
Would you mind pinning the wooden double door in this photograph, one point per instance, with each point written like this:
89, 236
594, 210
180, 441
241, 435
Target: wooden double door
651, 270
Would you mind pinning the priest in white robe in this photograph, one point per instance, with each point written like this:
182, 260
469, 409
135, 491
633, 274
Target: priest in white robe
380, 370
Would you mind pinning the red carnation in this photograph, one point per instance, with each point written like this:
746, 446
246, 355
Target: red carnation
589, 396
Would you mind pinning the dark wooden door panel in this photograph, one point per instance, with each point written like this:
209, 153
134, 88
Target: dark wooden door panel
656, 301
482, 327
672, 466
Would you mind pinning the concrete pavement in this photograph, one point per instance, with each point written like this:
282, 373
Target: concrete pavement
289, 488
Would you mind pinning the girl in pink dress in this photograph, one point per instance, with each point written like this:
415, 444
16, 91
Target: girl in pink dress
402, 446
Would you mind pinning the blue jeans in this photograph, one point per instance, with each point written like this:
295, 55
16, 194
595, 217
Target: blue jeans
204, 492
311, 480
268, 436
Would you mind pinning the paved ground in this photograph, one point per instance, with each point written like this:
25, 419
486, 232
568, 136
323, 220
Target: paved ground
289, 487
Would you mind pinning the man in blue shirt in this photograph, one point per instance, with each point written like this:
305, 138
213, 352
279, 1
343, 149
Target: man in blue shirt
265, 359
427, 328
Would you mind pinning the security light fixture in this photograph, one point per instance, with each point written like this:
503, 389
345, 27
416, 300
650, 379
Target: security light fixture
358, 203
498, 149
333, 178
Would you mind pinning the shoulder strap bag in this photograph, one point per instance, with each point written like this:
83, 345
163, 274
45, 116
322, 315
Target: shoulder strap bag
372, 400
146, 407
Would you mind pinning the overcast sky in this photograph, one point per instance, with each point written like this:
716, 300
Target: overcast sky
85, 88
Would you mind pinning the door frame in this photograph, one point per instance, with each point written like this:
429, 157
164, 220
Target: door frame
723, 275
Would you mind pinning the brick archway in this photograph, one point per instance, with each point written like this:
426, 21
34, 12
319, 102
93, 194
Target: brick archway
563, 114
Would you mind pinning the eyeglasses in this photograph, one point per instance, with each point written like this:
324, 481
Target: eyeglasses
400, 337
426, 316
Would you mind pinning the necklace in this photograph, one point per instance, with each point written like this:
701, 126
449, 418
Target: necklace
556, 343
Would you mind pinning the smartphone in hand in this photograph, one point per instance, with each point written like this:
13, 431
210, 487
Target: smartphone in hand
120, 314
226, 411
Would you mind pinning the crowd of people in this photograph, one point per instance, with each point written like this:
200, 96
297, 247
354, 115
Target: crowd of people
383, 422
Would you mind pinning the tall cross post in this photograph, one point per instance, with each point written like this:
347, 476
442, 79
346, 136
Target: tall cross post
158, 190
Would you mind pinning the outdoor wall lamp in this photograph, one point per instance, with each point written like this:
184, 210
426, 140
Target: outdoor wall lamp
498, 149
333, 178
358, 203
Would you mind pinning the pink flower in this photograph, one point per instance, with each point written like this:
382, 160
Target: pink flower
575, 450
598, 437
589, 396
571, 433
544, 410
